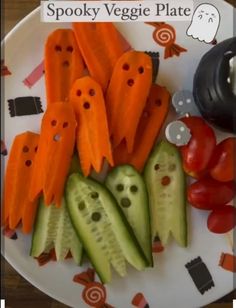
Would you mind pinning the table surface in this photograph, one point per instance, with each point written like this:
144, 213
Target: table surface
16, 290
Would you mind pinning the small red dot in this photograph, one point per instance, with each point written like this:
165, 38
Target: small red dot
70, 48
28, 163
25, 149
86, 105
165, 180
126, 67
130, 82
141, 70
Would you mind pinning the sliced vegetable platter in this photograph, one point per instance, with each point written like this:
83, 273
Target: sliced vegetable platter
169, 282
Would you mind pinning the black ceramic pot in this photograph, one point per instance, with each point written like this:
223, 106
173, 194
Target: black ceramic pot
212, 92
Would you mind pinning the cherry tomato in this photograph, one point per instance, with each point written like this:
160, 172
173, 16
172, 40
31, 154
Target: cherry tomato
198, 152
222, 220
223, 160
208, 194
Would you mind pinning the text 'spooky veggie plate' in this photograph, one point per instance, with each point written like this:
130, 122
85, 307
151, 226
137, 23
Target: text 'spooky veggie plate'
172, 282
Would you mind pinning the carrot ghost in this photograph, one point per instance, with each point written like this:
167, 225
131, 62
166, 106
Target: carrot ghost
127, 94
93, 142
63, 64
56, 145
17, 206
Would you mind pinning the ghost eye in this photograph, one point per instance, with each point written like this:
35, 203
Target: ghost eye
126, 67
141, 70
91, 92
120, 187
65, 124
79, 92
133, 188
54, 123
70, 49
25, 149
58, 48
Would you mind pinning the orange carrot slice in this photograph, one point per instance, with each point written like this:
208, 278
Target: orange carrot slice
93, 142
151, 122
127, 94
17, 206
56, 145
101, 45
63, 64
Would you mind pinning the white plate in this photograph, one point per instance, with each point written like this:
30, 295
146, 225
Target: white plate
168, 284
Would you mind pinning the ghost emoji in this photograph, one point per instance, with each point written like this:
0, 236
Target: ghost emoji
205, 23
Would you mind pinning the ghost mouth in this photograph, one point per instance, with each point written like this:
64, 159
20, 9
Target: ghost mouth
66, 63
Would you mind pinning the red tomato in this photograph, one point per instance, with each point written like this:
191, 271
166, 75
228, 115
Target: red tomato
208, 194
197, 153
223, 160
222, 220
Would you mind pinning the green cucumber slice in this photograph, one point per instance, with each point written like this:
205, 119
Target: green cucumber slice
53, 229
101, 227
129, 189
166, 184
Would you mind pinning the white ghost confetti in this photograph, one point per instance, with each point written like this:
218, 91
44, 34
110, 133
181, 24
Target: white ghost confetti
177, 133
205, 23
183, 102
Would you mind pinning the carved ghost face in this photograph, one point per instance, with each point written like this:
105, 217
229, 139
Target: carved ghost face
205, 23
178, 133
56, 147
59, 125
23, 153
63, 64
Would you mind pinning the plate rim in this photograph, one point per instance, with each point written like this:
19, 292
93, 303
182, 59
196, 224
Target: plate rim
6, 256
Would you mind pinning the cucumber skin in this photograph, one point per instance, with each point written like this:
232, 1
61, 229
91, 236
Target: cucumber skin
39, 224
122, 172
104, 278
40, 215
148, 171
100, 188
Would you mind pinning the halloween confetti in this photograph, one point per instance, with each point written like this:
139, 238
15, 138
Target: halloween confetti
34, 76
228, 262
94, 293
140, 301
27, 105
3, 148
165, 36
4, 69
200, 275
